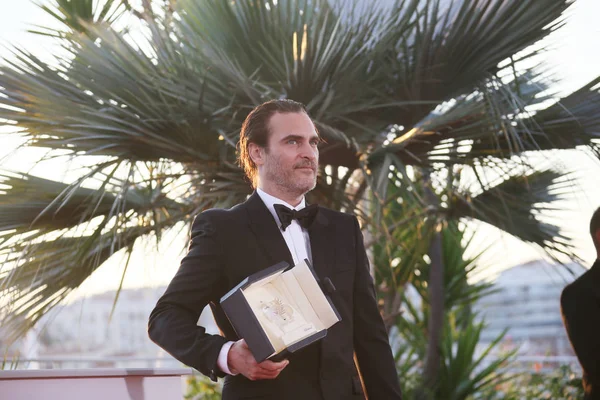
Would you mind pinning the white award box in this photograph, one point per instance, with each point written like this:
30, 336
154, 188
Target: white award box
280, 310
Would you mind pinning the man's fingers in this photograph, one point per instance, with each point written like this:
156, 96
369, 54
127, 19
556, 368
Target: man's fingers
263, 374
254, 371
273, 366
267, 370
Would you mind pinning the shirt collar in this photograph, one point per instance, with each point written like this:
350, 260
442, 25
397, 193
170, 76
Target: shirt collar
270, 202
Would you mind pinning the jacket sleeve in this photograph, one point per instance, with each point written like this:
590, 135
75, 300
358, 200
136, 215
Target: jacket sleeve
371, 342
581, 316
173, 322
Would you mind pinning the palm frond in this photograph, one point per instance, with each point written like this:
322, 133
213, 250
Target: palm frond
74, 15
463, 43
37, 277
518, 205
287, 49
463, 371
30, 203
494, 112
570, 122
106, 101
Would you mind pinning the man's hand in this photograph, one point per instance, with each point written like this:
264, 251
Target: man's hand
240, 360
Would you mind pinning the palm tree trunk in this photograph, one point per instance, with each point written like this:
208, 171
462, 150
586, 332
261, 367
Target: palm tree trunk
436, 310
436, 302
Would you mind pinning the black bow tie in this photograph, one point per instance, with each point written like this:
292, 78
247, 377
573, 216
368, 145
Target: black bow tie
305, 217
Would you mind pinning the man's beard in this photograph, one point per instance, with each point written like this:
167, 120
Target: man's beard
285, 178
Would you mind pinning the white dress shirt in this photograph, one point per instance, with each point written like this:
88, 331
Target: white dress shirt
298, 243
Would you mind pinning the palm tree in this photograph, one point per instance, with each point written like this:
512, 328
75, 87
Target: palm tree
402, 258
410, 94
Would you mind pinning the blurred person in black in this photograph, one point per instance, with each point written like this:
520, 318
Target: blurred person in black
580, 307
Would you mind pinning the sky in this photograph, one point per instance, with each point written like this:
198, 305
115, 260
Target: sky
575, 58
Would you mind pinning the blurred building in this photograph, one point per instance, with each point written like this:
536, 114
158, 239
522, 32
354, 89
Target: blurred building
527, 302
83, 333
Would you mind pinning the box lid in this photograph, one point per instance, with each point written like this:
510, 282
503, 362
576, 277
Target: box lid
278, 268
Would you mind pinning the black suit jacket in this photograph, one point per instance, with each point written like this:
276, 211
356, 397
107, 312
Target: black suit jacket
580, 307
227, 246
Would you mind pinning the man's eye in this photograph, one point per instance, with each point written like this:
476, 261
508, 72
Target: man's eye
292, 141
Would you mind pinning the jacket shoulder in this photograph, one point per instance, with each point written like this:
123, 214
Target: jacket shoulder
217, 216
337, 215
575, 290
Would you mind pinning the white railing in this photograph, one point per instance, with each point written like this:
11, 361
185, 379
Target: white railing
60, 362
520, 363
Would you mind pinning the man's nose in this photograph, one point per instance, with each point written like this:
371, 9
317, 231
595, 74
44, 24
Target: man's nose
310, 152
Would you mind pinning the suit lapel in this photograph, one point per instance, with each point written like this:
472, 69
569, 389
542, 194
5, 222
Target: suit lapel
321, 234
266, 232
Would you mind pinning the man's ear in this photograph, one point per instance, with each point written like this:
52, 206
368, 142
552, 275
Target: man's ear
257, 153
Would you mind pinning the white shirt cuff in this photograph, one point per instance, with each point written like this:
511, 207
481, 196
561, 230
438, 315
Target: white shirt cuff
222, 360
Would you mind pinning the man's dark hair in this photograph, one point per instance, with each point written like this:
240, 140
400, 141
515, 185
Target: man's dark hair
255, 129
595, 226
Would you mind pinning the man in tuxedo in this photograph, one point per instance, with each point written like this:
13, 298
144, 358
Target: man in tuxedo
580, 306
278, 150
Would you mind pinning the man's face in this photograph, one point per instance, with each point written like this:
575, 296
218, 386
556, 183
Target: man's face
291, 158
